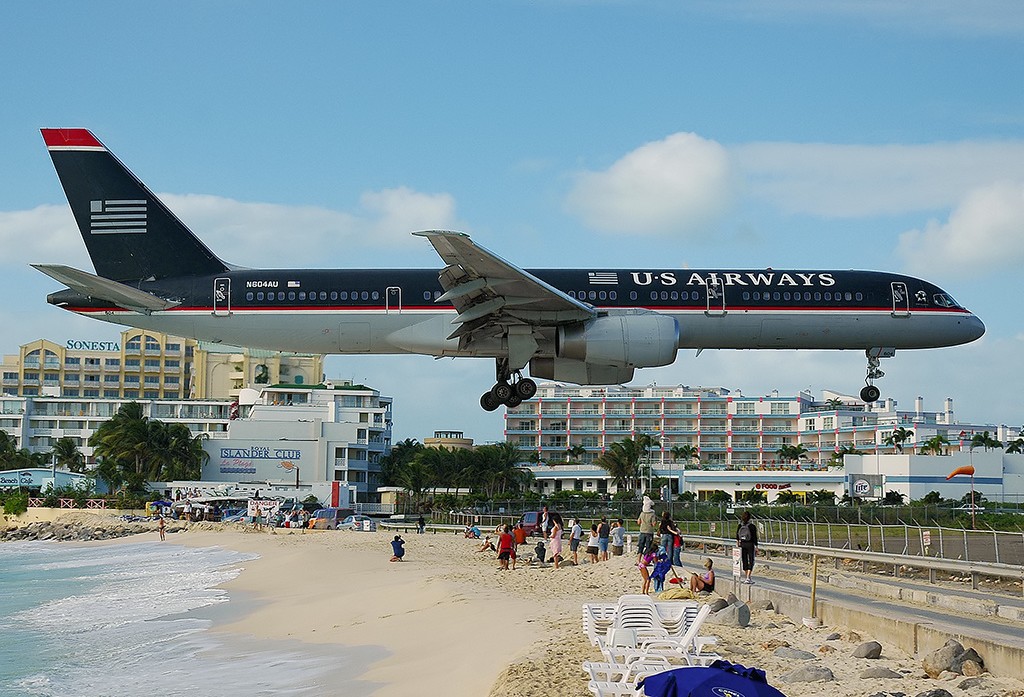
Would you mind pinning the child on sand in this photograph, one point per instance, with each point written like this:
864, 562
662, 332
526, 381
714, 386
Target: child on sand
704, 582
646, 559
661, 568
506, 548
397, 546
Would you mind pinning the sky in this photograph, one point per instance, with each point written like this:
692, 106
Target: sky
866, 134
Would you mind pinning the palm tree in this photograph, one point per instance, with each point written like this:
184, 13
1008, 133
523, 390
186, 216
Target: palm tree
846, 449
687, 453
1015, 446
8, 446
792, 453
400, 454
835, 403
985, 440
898, 437
67, 455
124, 438
185, 454
575, 453
621, 461
935, 444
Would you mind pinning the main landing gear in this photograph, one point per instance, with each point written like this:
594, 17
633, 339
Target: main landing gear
511, 389
870, 393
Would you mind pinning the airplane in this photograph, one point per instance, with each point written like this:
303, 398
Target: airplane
591, 326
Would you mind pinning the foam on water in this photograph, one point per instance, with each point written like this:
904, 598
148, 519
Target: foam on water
109, 620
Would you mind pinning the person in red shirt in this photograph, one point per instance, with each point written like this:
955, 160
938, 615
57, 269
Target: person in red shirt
506, 548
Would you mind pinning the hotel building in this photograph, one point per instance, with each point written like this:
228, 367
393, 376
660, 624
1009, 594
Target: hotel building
736, 437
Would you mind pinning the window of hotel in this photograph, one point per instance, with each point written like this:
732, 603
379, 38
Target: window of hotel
51, 376
780, 407
172, 364
112, 378
30, 391
152, 379
92, 361
10, 376
745, 408
131, 394
132, 379
90, 393
109, 394
71, 392
70, 360
133, 344
112, 362
92, 378
808, 424
152, 344
130, 363
151, 394
171, 379
828, 423
170, 395
152, 362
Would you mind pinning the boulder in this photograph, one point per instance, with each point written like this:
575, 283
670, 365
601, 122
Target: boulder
968, 655
762, 605
793, 654
718, 603
879, 672
937, 692
969, 683
941, 659
972, 668
731, 599
736, 615
809, 673
869, 649
833, 636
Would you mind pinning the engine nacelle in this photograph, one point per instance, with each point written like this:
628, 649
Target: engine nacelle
578, 372
644, 340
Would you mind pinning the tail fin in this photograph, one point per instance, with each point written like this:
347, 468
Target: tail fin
130, 234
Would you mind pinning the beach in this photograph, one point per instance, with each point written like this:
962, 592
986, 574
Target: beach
447, 621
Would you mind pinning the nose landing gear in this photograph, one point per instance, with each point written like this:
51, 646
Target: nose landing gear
870, 393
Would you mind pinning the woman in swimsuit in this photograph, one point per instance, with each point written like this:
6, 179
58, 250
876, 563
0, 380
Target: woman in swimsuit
705, 581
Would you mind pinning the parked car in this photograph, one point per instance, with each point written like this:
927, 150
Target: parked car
358, 522
970, 508
531, 522
328, 518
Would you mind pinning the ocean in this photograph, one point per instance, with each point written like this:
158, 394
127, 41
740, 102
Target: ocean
133, 620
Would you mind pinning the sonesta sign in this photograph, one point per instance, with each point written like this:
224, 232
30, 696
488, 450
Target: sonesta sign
81, 345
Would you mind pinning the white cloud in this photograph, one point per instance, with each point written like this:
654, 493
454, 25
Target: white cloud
676, 185
865, 180
985, 232
251, 234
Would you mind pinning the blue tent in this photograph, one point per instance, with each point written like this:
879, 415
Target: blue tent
720, 679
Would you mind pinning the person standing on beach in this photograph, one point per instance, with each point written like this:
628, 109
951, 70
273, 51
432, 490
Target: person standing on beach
668, 532
545, 522
421, 525
618, 540
603, 532
161, 525
556, 539
647, 522
575, 536
592, 544
505, 548
746, 540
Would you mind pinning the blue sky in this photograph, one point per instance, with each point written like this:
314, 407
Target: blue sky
865, 134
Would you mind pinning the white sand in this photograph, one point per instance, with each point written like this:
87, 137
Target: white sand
456, 625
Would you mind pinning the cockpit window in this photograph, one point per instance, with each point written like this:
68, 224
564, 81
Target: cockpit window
943, 300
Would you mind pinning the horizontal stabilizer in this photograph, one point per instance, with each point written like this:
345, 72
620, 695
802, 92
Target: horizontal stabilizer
104, 289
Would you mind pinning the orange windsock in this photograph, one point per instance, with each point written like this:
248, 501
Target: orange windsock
966, 469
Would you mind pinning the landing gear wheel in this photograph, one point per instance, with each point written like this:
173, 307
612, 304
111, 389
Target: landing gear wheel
488, 402
870, 393
526, 388
502, 391
513, 401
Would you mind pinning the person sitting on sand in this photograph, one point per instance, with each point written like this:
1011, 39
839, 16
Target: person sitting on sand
704, 582
487, 545
519, 533
398, 547
472, 532
538, 552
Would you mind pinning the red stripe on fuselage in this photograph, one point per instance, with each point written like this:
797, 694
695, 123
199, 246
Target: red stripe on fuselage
69, 138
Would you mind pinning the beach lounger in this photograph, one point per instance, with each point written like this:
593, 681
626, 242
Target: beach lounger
673, 616
611, 679
687, 647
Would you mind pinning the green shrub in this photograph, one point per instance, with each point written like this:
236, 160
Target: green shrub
16, 503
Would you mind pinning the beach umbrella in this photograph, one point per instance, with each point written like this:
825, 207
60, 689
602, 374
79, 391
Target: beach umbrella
720, 679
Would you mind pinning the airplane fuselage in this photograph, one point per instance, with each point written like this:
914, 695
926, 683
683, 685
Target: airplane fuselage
395, 310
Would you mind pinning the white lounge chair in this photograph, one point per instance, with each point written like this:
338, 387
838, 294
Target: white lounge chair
612, 679
672, 616
687, 647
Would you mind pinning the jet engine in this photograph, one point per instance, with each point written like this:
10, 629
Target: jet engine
578, 372
644, 340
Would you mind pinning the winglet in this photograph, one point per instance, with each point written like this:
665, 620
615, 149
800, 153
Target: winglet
70, 139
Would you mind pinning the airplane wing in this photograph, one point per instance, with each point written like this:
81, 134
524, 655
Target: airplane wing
105, 289
491, 295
